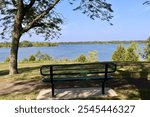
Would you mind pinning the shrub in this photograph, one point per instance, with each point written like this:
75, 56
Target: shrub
42, 57
132, 53
7, 60
82, 58
119, 54
129, 54
32, 58
92, 56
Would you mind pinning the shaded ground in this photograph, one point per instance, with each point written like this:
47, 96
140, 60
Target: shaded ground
126, 88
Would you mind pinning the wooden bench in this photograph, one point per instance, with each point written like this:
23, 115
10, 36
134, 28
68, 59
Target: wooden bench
77, 72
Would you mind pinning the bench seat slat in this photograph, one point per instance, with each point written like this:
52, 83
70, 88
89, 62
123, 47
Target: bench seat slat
76, 78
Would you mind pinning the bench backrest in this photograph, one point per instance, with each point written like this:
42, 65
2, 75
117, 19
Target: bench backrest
77, 70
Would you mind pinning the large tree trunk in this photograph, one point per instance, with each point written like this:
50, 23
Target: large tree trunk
16, 34
13, 66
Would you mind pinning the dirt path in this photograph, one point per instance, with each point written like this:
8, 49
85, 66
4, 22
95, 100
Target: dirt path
19, 86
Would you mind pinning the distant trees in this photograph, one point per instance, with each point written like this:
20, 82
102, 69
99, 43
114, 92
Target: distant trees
25, 44
129, 54
28, 44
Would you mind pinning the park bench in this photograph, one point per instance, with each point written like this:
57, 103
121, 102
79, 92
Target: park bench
77, 72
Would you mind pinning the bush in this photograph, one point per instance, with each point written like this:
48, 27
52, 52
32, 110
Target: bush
32, 58
92, 56
82, 58
7, 60
131, 53
42, 57
119, 54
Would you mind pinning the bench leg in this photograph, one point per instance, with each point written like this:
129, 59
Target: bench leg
103, 87
53, 90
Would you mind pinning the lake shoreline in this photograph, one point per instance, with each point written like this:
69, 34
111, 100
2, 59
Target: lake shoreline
50, 44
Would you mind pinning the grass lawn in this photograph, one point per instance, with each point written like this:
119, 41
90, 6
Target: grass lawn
27, 84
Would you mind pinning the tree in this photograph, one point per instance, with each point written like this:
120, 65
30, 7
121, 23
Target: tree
41, 17
146, 54
131, 52
119, 54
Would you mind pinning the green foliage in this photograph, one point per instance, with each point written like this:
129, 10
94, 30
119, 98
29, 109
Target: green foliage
41, 17
131, 52
82, 58
47, 44
92, 56
26, 44
5, 45
119, 54
42, 57
7, 60
146, 54
38, 57
32, 58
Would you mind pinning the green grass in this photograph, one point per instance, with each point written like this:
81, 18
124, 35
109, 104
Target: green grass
30, 76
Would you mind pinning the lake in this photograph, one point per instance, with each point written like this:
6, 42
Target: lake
70, 51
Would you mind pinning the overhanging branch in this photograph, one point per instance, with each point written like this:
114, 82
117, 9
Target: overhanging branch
40, 16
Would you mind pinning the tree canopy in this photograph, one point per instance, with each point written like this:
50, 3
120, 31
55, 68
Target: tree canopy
40, 17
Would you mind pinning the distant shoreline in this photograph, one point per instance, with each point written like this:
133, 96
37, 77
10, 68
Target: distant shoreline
49, 44
103, 42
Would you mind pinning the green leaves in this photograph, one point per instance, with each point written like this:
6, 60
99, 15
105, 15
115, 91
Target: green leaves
129, 54
146, 54
99, 9
119, 54
40, 16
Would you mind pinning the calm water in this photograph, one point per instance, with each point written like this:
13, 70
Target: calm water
70, 51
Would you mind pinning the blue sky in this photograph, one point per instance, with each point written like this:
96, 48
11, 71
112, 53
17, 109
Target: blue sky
131, 22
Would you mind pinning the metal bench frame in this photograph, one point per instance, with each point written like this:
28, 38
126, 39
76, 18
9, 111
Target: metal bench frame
52, 80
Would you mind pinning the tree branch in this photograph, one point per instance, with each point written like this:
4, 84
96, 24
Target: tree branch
30, 4
20, 12
31, 24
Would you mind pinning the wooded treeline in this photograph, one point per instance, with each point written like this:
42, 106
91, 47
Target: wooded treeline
28, 44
